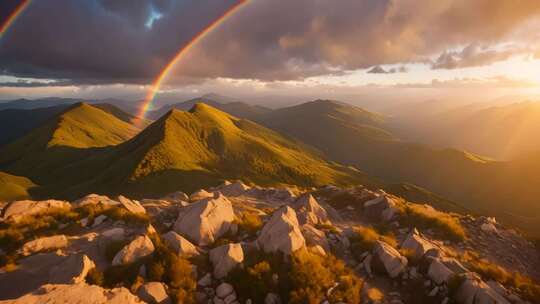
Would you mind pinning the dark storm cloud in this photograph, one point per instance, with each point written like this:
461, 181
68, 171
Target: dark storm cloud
473, 55
101, 40
107, 40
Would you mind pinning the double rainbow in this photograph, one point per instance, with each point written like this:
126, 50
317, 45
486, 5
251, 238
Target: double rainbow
13, 16
156, 84
163, 74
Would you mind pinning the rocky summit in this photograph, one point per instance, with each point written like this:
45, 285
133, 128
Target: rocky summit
239, 243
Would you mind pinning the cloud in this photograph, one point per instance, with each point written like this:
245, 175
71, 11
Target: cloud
380, 70
107, 41
473, 55
499, 81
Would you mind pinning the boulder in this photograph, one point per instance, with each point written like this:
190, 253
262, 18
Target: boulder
206, 280
72, 271
272, 298
154, 293
474, 290
233, 189
394, 263
374, 208
488, 227
182, 246
309, 211
131, 205
225, 258
77, 293
139, 248
95, 199
18, 209
99, 220
44, 244
438, 272
281, 232
224, 289
116, 234
200, 195
315, 237
205, 221
176, 197
417, 244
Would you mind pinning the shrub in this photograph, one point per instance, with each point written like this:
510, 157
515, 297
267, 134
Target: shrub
249, 222
328, 227
365, 238
95, 277
121, 274
113, 247
156, 271
443, 224
490, 271
312, 275
116, 213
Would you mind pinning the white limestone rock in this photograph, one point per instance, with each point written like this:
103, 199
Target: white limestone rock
72, 271
309, 211
281, 232
44, 244
16, 210
205, 221
393, 262
225, 258
154, 292
139, 248
181, 246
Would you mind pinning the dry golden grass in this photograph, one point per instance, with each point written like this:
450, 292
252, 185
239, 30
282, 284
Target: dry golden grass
443, 224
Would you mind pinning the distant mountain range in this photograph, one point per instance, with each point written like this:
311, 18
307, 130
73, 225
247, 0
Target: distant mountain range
85, 148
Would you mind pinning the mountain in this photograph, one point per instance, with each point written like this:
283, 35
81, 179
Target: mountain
14, 187
502, 132
29, 104
235, 108
69, 137
15, 123
182, 150
355, 137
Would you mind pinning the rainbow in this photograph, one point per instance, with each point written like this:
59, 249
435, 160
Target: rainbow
13, 16
163, 74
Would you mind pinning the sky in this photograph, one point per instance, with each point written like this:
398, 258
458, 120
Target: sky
273, 50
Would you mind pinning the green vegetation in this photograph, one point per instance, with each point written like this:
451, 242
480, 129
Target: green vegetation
191, 149
305, 278
365, 238
162, 266
14, 235
249, 222
444, 225
14, 187
352, 136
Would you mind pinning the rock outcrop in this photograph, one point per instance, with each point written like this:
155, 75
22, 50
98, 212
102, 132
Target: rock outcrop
394, 263
309, 211
181, 246
72, 271
233, 189
315, 237
139, 248
131, 205
19, 209
282, 232
380, 208
95, 199
44, 244
77, 293
205, 221
154, 292
474, 290
225, 258
416, 244
200, 195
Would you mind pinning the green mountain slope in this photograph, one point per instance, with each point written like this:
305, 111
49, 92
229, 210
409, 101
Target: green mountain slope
182, 150
69, 137
235, 108
477, 183
14, 187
